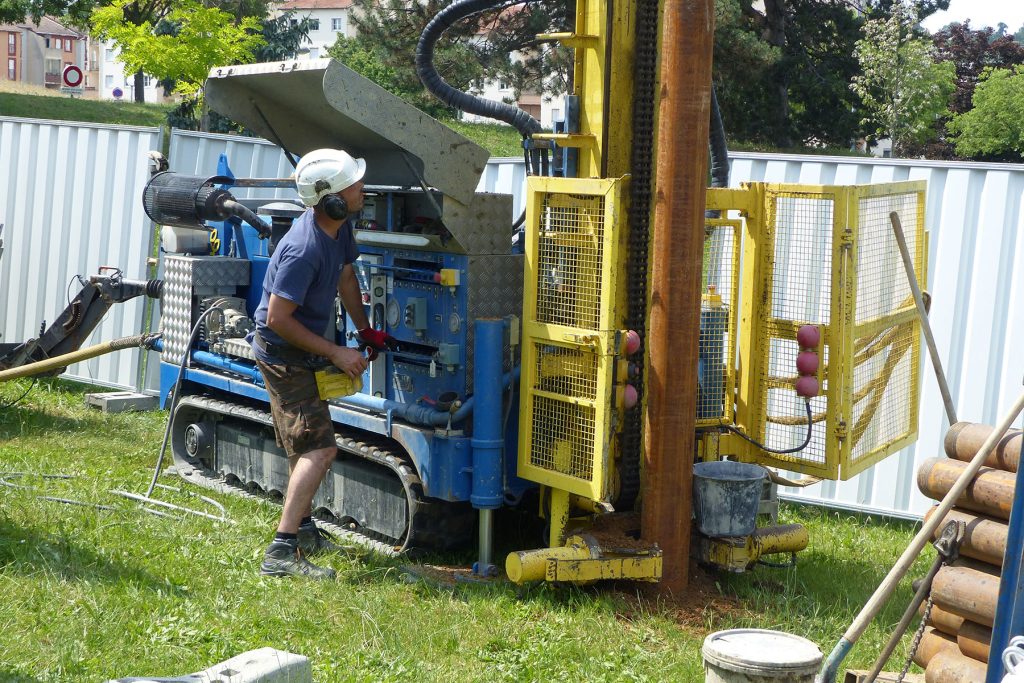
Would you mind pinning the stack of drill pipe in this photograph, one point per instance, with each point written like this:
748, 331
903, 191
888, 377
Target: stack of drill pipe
955, 646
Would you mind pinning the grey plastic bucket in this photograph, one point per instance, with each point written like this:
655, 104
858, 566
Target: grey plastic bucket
726, 496
750, 655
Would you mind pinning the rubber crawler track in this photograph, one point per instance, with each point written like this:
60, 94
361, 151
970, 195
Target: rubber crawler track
423, 515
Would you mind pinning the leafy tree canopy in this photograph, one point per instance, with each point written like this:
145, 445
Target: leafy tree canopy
994, 127
202, 38
494, 45
903, 90
971, 52
385, 45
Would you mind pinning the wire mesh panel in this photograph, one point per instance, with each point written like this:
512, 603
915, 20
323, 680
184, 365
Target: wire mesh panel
797, 244
785, 417
571, 334
570, 252
716, 364
826, 256
802, 247
886, 351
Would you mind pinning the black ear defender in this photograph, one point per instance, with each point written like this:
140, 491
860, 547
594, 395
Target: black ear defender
334, 206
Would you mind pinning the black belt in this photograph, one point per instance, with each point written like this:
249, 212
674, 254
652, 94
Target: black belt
285, 352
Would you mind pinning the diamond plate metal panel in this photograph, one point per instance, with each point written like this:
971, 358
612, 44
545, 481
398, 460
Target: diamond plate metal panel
188, 276
495, 291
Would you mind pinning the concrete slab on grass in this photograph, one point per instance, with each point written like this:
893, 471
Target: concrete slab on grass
122, 401
265, 665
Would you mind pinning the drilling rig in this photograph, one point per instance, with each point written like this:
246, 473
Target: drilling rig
581, 359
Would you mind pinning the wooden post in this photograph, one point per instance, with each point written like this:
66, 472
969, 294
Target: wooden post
677, 258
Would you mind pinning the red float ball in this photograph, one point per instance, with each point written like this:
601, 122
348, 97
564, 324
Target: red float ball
632, 342
807, 363
808, 336
807, 386
630, 397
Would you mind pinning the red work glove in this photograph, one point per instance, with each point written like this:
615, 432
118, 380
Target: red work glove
375, 340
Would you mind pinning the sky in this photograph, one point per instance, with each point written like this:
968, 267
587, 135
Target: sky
981, 13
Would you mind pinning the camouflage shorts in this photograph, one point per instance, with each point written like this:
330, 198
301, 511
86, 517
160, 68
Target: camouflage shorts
302, 421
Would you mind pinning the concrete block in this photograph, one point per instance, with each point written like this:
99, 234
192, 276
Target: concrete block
122, 401
265, 665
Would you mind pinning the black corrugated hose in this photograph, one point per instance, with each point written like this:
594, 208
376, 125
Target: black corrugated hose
719, 148
471, 104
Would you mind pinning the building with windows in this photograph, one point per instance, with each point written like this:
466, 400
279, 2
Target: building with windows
115, 84
330, 18
36, 54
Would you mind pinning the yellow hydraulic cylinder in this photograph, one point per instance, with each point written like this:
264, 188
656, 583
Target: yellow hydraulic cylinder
531, 565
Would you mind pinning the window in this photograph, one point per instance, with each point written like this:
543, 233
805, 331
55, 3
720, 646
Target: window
53, 67
12, 69
314, 24
337, 24
12, 44
68, 44
46, 41
147, 81
109, 55
108, 81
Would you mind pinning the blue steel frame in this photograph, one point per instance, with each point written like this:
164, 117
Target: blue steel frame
1009, 621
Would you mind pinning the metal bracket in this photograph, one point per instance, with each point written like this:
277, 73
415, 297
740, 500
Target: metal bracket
949, 540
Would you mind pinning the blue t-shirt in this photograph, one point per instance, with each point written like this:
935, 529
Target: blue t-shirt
305, 269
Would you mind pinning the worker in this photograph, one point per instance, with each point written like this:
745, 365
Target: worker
310, 266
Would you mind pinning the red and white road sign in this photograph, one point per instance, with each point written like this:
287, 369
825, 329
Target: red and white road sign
72, 76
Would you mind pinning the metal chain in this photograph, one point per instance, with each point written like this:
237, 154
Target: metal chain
917, 637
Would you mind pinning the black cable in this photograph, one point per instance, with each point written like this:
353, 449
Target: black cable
779, 565
810, 429
23, 395
176, 392
80, 279
471, 104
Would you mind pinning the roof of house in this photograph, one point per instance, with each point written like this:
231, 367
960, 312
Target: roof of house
314, 4
49, 27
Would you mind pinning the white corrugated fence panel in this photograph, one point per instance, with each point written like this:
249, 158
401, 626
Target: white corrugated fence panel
71, 201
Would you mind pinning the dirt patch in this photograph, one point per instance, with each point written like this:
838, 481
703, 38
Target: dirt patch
690, 610
442, 576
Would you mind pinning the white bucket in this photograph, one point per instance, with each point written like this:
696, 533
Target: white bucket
750, 655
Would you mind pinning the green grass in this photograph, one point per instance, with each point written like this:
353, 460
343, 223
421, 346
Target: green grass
92, 594
63, 108
498, 139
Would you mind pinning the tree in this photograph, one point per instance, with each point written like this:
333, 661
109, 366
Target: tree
282, 37
193, 38
971, 52
994, 127
903, 90
73, 11
384, 50
782, 67
493, 45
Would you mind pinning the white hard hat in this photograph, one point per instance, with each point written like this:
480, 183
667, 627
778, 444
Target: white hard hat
326, 171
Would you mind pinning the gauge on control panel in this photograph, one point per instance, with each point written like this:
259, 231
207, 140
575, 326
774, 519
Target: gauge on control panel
394, 313
454, 323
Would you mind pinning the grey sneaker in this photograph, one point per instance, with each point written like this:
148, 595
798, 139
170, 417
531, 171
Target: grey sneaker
314, 540
285, 559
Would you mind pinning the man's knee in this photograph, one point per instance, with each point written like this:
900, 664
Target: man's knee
322, 457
